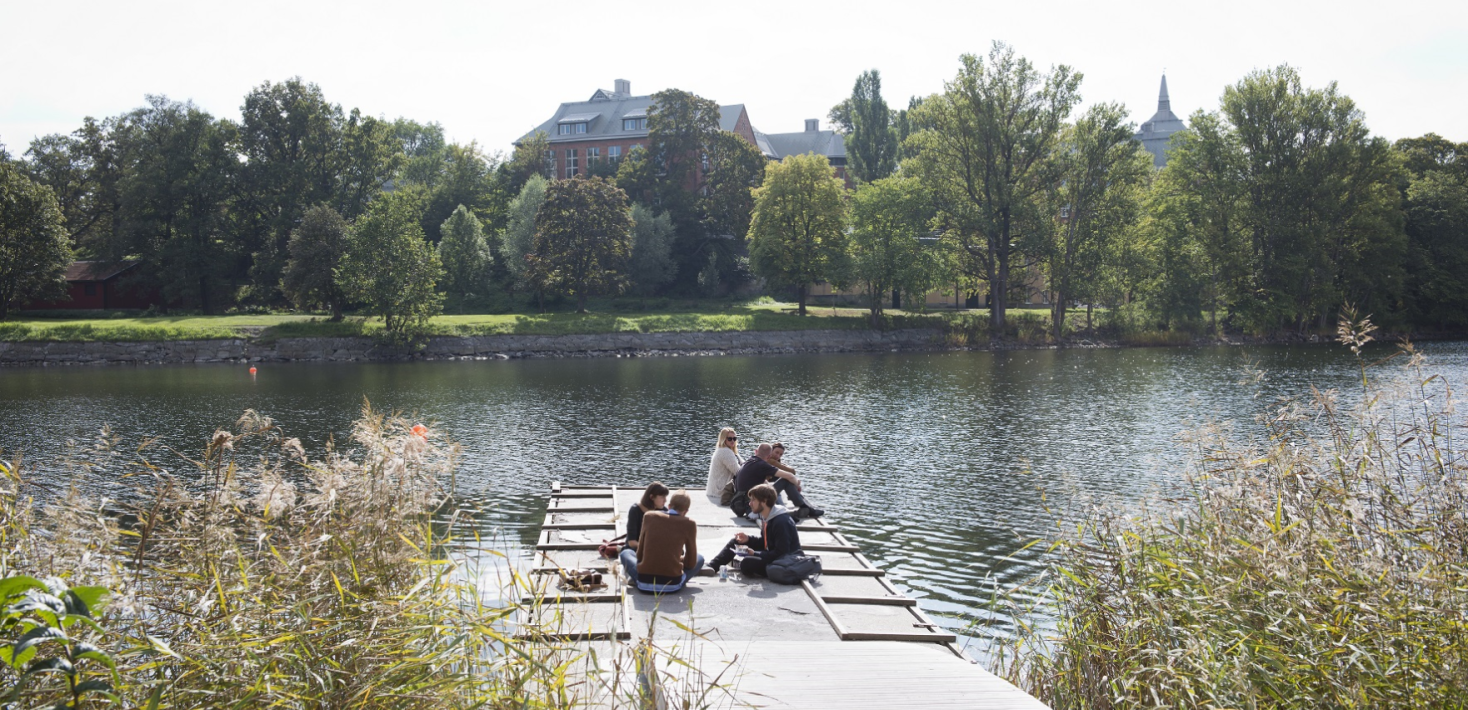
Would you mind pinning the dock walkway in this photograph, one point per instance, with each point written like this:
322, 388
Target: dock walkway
846, 640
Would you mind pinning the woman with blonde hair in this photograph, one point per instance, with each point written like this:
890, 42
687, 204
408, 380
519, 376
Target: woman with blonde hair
723, 465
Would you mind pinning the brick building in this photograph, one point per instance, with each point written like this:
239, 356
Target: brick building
611, 124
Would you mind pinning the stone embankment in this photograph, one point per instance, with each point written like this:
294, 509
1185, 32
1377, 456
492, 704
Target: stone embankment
502, 347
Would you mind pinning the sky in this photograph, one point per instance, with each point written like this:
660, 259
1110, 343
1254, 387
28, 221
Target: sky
491, 71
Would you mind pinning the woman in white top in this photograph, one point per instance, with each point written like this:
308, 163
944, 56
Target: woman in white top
724, 463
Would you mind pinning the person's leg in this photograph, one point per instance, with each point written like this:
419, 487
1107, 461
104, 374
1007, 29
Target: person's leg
792, 492
724, 557
691, 573
752, 566
629, 564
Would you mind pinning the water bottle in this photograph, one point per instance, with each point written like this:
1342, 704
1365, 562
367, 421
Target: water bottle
723, 574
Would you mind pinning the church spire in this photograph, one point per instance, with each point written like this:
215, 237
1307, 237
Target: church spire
1162, 103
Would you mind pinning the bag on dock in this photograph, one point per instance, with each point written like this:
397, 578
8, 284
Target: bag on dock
740, 503
726, 496
793, 569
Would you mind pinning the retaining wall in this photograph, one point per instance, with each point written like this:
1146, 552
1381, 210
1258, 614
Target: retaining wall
482, 347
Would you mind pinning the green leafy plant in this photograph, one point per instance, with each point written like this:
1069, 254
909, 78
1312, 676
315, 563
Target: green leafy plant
44, 627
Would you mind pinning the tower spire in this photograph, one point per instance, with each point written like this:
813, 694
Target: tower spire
1163, 104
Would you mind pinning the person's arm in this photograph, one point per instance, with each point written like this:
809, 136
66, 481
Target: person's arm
690, 547
782, 467
634, 527
782, 539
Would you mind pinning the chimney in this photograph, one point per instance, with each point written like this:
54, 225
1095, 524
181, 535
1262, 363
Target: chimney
623, 88
812, 125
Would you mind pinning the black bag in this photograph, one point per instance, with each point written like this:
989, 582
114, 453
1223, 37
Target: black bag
740, 503
793, 568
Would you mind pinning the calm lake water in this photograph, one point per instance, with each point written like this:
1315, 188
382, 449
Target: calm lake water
933, 463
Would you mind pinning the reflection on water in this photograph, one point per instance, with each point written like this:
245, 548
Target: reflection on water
933, 463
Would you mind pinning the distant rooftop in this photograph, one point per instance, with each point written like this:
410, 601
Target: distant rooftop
1156, 132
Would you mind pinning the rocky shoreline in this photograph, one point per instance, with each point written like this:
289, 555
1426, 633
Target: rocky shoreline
490, 347
511, 347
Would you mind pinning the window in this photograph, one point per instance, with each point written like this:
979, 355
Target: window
90, 289
614, 152
566, 129
592, 155
572, 166
636, 146
634, 124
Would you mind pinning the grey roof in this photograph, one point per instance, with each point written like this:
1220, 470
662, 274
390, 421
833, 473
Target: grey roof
1157, 132
603, 117
827, 143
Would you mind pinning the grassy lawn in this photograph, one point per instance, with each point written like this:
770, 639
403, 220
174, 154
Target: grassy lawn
665, 318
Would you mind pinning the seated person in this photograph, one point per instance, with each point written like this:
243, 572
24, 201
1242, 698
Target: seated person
723, 465
758, 469
783, 484
654, 498
667, 552
778, 536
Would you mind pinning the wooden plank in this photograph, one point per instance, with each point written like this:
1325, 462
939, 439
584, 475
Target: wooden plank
875, 601
922, 636
855, 572
565, 495
574, 597
818, 547
817, 528
825, 610
577, 636
578, 526
568, 546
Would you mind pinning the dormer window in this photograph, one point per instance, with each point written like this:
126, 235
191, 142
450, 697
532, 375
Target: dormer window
634, 124
575, 123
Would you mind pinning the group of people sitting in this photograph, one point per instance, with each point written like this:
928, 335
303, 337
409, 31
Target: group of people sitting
661, 554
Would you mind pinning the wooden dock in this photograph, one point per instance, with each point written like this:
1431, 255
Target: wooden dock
848, 639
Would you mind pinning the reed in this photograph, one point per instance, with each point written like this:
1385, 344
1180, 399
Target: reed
253, 576
1321, 564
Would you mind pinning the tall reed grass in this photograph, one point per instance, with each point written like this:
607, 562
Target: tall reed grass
1322, 564
253, 576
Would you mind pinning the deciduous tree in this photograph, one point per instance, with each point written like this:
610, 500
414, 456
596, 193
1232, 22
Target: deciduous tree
391, 267
518, 238
464, 254
650, 265
985, 147
583, 238
1102, 173
889, 218
34, 247
797, 235
871, 139
315, 251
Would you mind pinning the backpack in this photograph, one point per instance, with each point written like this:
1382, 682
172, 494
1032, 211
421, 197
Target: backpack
793, 568
740, 503
726, 496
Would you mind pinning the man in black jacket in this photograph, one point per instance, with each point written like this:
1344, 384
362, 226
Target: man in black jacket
778, 535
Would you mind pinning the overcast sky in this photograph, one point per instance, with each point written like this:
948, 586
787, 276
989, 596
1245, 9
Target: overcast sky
490, 71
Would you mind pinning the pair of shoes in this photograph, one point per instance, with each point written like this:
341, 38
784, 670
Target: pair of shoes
810, 512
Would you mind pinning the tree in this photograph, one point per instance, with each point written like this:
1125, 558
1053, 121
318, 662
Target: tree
391, 267
528, 160
583, 238
650, 264
464, 255
681, 131
1102, 172
1436, 202
180, 170
888, 218
1321, 207
34, 248
289, 136
315, 251
797, 234
1193, 226
871, 139
985, 147
518, 239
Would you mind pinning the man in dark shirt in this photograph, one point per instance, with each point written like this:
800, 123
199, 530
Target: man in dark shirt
778, 535
758, 469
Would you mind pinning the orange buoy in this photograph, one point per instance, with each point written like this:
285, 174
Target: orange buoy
252, 370
420, 431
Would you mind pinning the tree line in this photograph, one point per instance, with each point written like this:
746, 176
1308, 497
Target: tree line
1273, 212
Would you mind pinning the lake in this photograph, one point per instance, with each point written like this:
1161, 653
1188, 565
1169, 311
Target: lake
933, 462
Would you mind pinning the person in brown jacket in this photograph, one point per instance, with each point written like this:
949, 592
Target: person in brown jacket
667, 552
